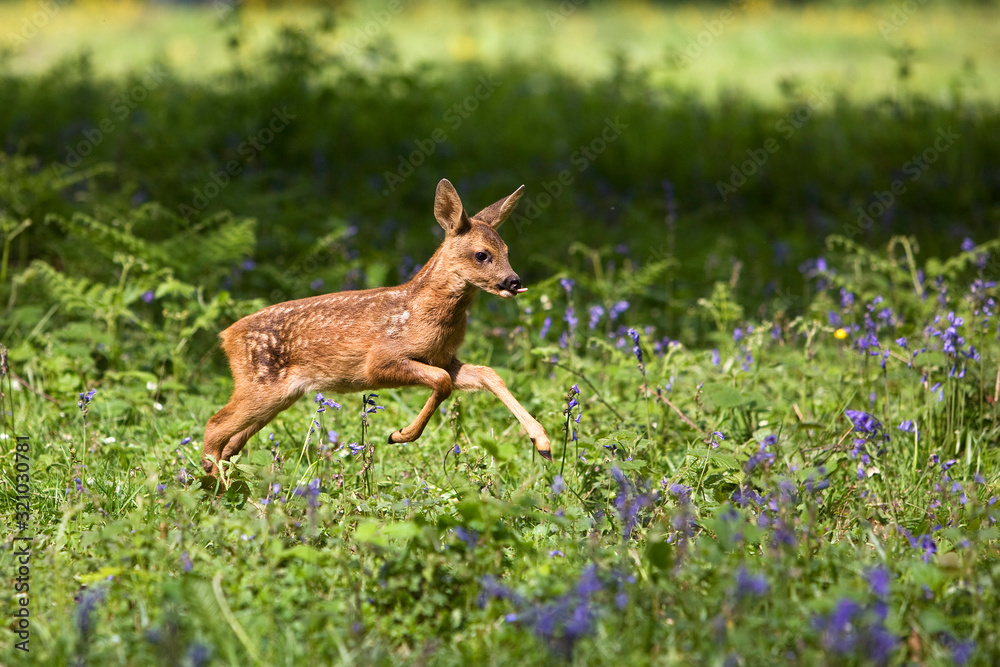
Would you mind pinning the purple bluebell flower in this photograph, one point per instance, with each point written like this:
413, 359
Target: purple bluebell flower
546, 325
87, 600
617, 309
636, 349
558, 485
681, 493
85, 399
198, 654
863, 422
567, 284
878, 579
570, 317
368, 403
148, 296
749, 585
596, 312
325, 403
467, 535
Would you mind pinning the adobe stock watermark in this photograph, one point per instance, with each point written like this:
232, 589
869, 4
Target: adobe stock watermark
248, 150
785, 127
565, 9
453, 117
901, 13
376, 22
225, 7
36, 21
121, 108
913, 168
713, 29
580, 160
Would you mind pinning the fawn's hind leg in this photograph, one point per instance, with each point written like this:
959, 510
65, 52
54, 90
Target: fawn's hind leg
246, 413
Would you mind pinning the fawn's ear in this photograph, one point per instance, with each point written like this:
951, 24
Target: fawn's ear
494, 214
448, 209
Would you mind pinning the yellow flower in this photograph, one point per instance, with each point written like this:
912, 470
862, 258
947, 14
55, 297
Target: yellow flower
840, 334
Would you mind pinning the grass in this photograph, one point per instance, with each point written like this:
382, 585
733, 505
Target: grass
774, 422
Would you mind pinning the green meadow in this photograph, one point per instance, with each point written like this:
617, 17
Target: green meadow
761, 244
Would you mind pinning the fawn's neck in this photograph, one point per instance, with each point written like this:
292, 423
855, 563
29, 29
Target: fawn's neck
439, 289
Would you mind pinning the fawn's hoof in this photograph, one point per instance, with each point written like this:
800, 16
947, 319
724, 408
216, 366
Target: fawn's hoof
543, 449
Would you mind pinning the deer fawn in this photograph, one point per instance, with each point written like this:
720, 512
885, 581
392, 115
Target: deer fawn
374, 339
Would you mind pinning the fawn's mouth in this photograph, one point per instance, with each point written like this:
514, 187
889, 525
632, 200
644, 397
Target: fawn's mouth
505, 293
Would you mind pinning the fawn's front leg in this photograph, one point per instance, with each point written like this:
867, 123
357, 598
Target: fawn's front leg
408, 372
470, 378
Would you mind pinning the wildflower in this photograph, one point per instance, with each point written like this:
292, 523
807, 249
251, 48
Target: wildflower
815, 486
681, 493
249, 264
567, 284
863, 422
87, 601
556, 552
186, 561
316, 284
840, 334
617, 309
560, 622
558, 486
355, 448
761, 456
878, 579
908, 426
570, 318
545, 327
469, 536
749, 584
715, 357
968, 245
148, 296
961, 651
198, 654
85, 399
596, 312
636, 349
325, 403
737, 334
368, 400
457, 449
716, 439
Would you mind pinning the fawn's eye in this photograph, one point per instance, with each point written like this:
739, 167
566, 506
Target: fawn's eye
481, 256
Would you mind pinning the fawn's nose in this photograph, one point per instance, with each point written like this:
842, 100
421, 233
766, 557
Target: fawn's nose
512, 284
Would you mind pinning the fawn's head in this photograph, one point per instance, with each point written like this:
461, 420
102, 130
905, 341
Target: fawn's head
472, 247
